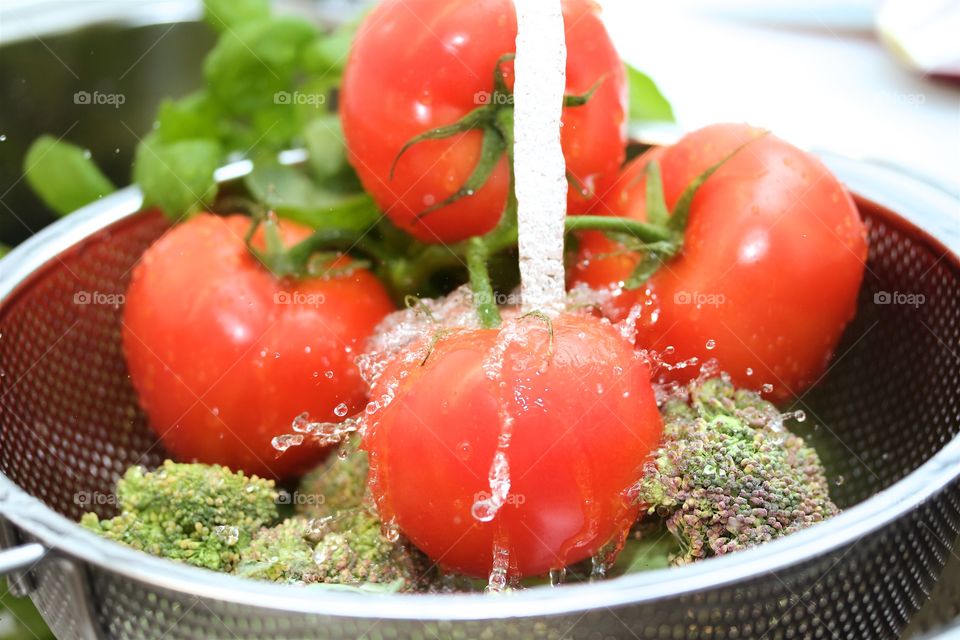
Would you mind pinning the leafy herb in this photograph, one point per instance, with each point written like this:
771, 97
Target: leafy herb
63, 175
224, 15
177, 177
292, 194
647, 104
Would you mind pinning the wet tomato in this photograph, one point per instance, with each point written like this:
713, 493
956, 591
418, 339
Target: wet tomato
514, 448
224, 356
771, 263
417, 65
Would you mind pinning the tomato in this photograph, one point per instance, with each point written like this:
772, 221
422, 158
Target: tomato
771, 264
561, 426
417, 65
224, 356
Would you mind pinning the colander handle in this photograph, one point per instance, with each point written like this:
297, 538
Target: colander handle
22, 557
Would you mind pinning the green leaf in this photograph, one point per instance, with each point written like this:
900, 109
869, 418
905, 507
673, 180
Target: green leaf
194, 116
324, 139
654, 549
223, 15
177, 177
647, 104
64, 175
254, 65
4, 250
327, 56
293, 195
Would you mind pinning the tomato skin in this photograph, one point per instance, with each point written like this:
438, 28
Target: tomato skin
774, 252
224, 356
419, 64
584, 422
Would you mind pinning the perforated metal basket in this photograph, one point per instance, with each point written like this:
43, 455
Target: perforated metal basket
887, 416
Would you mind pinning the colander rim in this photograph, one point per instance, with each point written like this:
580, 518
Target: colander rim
918, 202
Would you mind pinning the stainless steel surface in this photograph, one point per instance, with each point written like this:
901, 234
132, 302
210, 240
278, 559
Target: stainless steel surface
69, 425
16, 558
889, 411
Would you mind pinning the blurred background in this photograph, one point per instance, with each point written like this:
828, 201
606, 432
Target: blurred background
871, 79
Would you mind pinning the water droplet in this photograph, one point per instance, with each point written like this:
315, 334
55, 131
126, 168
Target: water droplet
391, 531
287, 440
557, 577
215, 411
229, 535
711, 344
839, 481
3, 137
302, 424
307, 349
749, 371
328, 374
767, 388
483, 510
341, 410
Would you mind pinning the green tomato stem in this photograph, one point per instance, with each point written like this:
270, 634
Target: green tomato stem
477, 255
645, 232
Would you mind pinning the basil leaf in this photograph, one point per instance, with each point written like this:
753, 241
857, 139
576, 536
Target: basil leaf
64, 175
254, 65
223, 15
651, 551
293, 195
4, 250
325, 146
177, 177
194, 116
327, 56
647, 104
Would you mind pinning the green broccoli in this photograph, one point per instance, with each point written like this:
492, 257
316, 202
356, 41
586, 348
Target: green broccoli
283, 553
728, 475
347, 549
336, 485
199, 514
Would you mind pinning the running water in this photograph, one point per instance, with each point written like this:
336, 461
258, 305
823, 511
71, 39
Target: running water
541, 181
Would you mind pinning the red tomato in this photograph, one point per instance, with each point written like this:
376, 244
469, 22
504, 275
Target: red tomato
772, 260
420, 64
224, 356
578, 415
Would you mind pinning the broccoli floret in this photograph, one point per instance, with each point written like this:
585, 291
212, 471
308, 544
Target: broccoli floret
728, 475
283, 553
198, 514
346, 549
356, 551
336, 485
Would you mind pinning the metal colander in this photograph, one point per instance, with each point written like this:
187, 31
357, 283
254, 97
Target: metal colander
885, 417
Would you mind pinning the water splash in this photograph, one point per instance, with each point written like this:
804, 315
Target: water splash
283, 442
